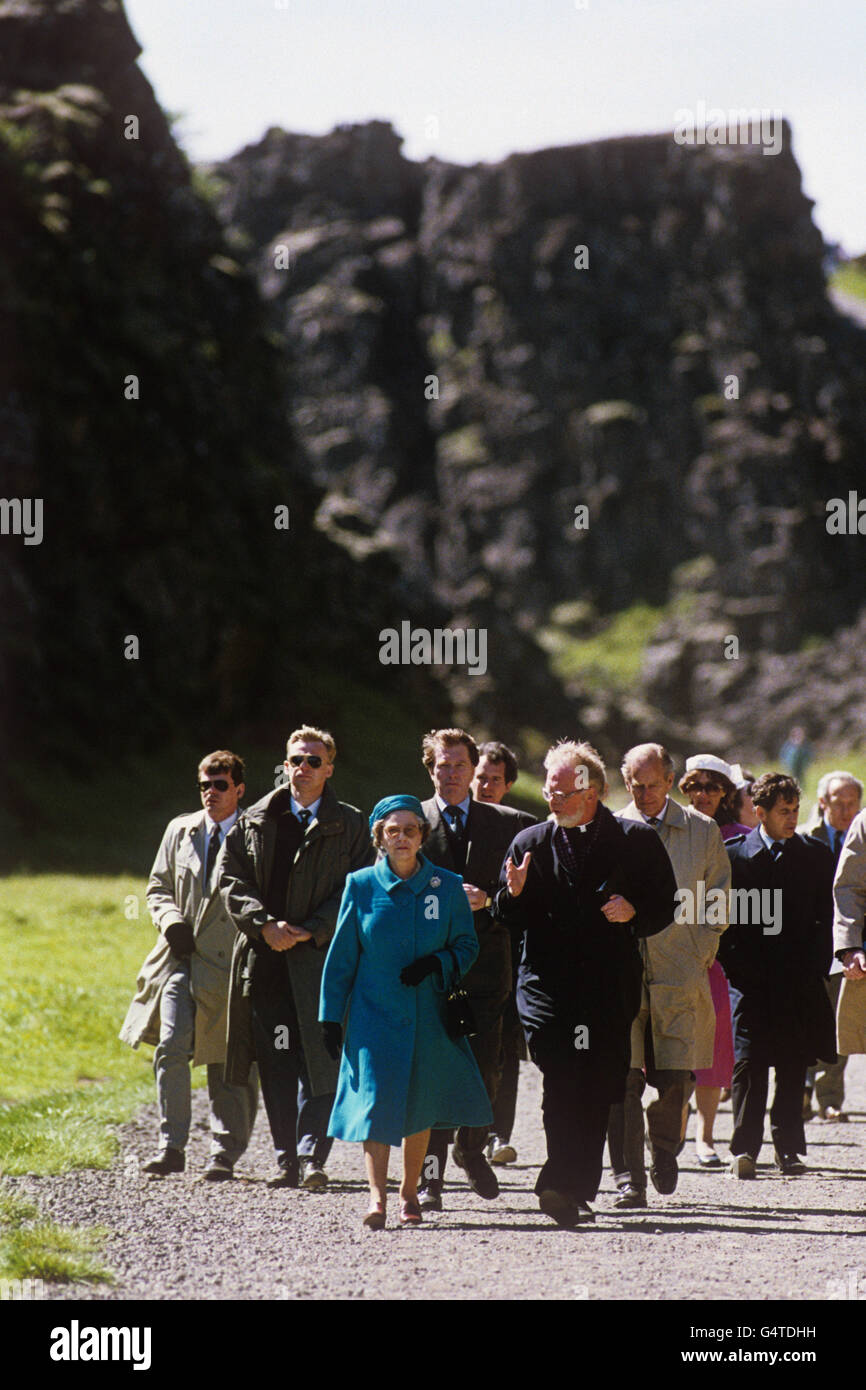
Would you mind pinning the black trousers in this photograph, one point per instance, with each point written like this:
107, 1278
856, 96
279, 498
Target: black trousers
298, 1119
505, 1102
470, 1140
749, 1090
576, 1100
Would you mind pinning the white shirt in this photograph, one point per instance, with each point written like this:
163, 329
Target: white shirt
313, 809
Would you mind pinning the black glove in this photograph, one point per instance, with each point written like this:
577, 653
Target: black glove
181, 938
332, 1038
419, 970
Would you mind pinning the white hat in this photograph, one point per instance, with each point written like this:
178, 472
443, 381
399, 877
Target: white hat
708, 762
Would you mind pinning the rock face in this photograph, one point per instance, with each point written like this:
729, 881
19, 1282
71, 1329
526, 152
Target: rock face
462, 377
142, 402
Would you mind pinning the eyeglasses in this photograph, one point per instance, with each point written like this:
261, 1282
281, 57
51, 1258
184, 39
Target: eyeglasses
560, 796
705, 787
298, 759
393, 832
219, 784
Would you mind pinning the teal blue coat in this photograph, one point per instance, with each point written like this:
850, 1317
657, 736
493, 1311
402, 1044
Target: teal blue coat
400, 1071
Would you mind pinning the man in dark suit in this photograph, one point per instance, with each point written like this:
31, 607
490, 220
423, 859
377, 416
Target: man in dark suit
582, 887
471, 839
494, 777
775, 953
839, 796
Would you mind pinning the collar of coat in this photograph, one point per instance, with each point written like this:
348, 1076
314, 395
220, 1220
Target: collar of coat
753, 844
676, 815
278, 803
418, 882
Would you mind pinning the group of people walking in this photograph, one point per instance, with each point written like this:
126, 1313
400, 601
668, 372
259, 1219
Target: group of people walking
381, 977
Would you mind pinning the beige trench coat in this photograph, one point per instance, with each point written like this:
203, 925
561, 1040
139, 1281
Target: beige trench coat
676, 991
849, 895
175, 894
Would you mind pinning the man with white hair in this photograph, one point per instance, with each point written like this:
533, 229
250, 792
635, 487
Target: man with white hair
839, 797
674, 1031
581, 888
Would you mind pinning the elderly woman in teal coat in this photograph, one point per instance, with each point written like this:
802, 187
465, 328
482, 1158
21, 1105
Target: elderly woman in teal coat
404, 938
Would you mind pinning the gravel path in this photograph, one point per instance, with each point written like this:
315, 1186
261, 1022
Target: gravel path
181, 1238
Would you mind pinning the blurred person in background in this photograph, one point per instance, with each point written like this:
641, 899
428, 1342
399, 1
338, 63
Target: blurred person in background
839, 798
494, 777
710, 783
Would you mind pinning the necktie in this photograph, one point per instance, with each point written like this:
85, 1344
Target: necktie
304, 817
840, 840
213, 849
455, 815
776, 851
654, 821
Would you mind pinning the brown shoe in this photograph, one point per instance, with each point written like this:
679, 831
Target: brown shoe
375, 1218
167, 1161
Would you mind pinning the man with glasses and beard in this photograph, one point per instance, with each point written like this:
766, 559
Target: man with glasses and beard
180, 1005
583, 886
283, 875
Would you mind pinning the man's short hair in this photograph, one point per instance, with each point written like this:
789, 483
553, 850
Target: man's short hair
223, 760
570, 753
771, 787
447, 738
500, 753
847, 777
640, 753
312, 735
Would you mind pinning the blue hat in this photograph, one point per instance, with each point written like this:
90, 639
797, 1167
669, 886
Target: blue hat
402, 802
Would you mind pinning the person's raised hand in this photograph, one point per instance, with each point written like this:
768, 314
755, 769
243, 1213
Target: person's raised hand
515, 874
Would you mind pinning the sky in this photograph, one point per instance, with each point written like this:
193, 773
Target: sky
470, 80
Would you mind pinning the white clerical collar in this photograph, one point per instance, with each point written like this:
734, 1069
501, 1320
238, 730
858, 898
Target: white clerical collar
313, 808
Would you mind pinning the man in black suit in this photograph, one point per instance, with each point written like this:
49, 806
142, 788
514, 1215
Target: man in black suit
775, 953
839, 797
582, 887
471, 839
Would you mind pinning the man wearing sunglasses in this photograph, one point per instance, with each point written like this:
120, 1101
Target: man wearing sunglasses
285, 867
183, 986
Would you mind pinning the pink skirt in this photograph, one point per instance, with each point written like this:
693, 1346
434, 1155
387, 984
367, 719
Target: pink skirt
719, 1074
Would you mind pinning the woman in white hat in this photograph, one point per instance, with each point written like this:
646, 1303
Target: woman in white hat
710, 784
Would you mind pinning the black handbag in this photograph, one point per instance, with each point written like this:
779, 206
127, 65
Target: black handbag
459, 1014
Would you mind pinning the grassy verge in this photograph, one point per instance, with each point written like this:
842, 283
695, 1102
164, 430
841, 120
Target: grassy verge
34, 1249
850, 279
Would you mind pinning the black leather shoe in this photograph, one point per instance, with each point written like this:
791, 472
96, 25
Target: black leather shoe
430, 1195
482, 1178
664, 1172
630, 1198
789, 1165
167, 1161
284, 1177
565, 1210
219, 1169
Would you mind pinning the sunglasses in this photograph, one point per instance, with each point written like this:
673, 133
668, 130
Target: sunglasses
705, 787
298, 759
219, 784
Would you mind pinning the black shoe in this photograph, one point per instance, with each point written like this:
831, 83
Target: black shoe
630, 1198
430, 1195
789, 1165
284, 1177
664, 1172
482, 1178
219, 1169
168, 1160
564, 1209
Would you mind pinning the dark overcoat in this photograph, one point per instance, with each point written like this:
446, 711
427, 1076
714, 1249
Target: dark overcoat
489, 832
335, 844
779, 1002
577, 970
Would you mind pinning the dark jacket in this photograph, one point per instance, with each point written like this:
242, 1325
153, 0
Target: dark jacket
336, 843
576, 968
780, 1006
489, 832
